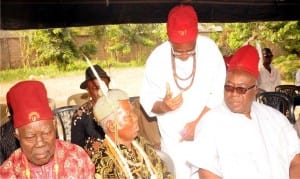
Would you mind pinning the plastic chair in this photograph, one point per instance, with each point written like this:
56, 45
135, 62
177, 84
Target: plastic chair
290, 90
167, 161
63, 117
147, 125
78, 99
280, 101
52, 103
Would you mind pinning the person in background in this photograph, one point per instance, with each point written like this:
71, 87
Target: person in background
269, 76
183, 79
297, 78
242, 138
41, 155
83, 123
122, 154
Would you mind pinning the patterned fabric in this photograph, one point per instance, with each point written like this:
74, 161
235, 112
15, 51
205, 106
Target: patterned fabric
64, 114
73, 162
107, 166
84, 126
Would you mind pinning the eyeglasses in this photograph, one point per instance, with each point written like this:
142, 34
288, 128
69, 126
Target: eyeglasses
190, 52
239, 90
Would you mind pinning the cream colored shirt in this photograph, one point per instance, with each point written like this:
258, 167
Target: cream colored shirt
268, 81
297, 82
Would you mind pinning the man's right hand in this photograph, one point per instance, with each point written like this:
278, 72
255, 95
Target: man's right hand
171, 103
168, 103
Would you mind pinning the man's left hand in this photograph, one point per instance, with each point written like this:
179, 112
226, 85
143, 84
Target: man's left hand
187, 134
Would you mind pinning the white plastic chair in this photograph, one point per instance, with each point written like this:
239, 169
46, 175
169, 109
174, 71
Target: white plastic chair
167, 160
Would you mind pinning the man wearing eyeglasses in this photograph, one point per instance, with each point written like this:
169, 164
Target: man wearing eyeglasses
183, 79
269, 76
242, 138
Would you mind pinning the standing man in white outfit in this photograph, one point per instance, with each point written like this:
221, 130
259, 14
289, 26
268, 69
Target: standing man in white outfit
183, 79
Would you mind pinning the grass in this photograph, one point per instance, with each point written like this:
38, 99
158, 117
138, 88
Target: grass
27, 73
52, 71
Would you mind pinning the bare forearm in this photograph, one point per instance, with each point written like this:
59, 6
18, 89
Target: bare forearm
159, 107
295, 167
205, 110
205, 174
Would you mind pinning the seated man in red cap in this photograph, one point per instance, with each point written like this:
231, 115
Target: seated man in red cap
122, 154
41, 155
242, 138
183, 79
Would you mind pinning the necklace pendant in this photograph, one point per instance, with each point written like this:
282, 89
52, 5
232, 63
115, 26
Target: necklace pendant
177, 78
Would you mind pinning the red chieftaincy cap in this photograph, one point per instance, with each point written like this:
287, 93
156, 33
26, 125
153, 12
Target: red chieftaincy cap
28, 103
182, 25
246, 58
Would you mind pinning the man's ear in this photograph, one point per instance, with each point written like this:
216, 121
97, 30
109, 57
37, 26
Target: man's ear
55, 124
111, 126
16, 134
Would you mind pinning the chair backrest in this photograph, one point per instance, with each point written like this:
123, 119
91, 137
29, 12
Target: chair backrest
136, 100
52, 103
78, 99
280, 101
63, 116
148, 127
291, 90
167, 161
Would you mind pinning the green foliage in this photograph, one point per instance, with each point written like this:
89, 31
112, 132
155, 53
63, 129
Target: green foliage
97, 31
58, 46
89, 48
113, 62
234, 35
288, 66
121, 38
55, 46
285, 34
282, 35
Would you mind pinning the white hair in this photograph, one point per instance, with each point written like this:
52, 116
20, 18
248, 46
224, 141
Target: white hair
113, 117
